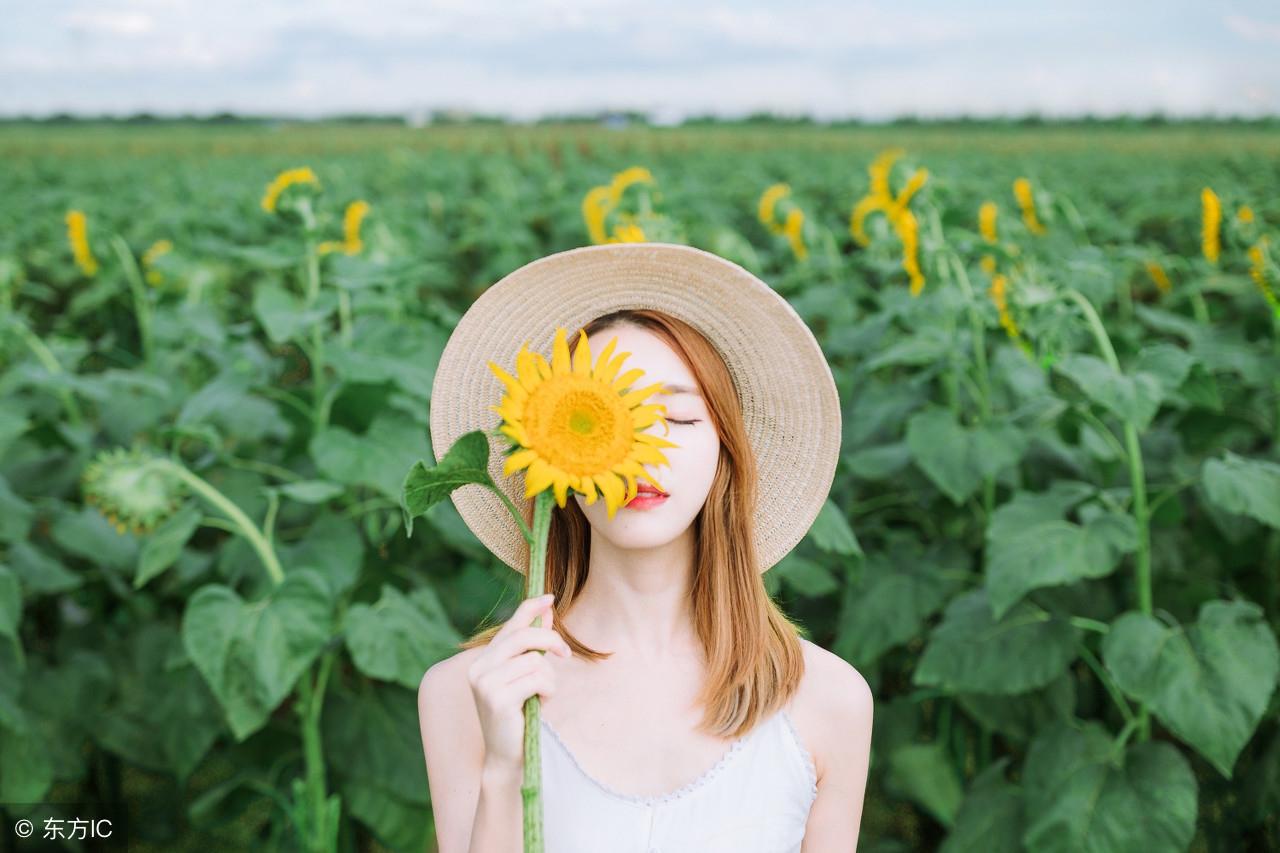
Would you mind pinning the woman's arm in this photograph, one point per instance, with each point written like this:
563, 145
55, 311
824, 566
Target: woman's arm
845, 753
477, 809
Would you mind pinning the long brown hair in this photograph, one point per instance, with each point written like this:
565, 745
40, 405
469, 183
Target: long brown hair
753, 653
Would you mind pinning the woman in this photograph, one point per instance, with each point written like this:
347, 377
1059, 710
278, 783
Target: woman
680, 709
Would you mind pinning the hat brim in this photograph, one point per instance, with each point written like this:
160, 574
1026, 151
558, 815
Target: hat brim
791, 409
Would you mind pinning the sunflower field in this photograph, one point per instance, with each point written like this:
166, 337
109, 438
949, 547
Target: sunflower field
1052, 546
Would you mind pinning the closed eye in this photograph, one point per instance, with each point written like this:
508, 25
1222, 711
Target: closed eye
674, 421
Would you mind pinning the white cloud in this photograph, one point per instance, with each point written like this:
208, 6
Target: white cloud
671, 57
1252, 29
112, 22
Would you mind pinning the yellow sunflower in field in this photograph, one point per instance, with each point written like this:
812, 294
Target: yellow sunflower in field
578, 426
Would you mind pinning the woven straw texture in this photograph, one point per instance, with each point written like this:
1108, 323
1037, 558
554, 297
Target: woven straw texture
789, 399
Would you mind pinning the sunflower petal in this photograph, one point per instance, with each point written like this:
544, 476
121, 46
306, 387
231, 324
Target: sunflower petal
528, 369
561, 485
645, 453
642, 416
538, 477
603, 358
638, 396
611, 369
516, 461
627, 378
544, 369
513, 384
612, 489
516, 433
654, 440
582, 356
560, 354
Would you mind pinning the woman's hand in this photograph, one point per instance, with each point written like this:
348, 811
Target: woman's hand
508, 672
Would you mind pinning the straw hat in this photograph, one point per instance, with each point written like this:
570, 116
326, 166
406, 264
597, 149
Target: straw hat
789, 400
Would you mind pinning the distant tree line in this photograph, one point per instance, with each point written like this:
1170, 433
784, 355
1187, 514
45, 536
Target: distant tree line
637, 118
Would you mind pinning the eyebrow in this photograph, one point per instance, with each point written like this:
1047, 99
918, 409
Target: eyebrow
681, 389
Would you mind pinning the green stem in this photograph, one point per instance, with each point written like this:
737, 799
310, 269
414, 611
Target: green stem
1107, 681
263, 468
269, 522
317, 334
1090, 624
50, 363
246, 527
1137, 480
531, 787
519, 519
977, 330
344, 317
309, 706
284, 397
1275, 344
316, 352
1200, 308
141, 302
1123, 738
1103, 430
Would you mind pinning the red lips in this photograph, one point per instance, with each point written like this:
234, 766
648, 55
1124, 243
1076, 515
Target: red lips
646, 489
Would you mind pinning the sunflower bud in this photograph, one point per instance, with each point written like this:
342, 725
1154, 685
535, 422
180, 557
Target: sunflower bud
135, 491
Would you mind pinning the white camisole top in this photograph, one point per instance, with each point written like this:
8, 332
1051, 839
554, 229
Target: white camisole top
755, 799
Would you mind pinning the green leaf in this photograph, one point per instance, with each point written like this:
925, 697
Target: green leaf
831, 532
1169, 365
227, 403
162, 716
926, 346
16, 514
972, 652
10, 603
399, 350
1245, 486
86, 533
399, 637
1209, 683
377, 458
26, 771
1131, 398
958, 458
162, 547
878, 463
280, 312
333, 547
382, 777
252, 653
808, 577
466, 462
899, 589
1030, 545
40, 574
311, 491
1019, 718
925, 774
990, 819
1077, 799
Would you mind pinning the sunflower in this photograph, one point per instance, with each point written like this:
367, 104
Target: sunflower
580, 427
134, 491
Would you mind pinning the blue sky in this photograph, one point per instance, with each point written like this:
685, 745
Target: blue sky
524, 58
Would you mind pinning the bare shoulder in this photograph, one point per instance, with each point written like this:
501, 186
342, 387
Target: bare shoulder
833, 707
836, 704
447, 676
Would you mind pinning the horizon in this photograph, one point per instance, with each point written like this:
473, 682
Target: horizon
829, 61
